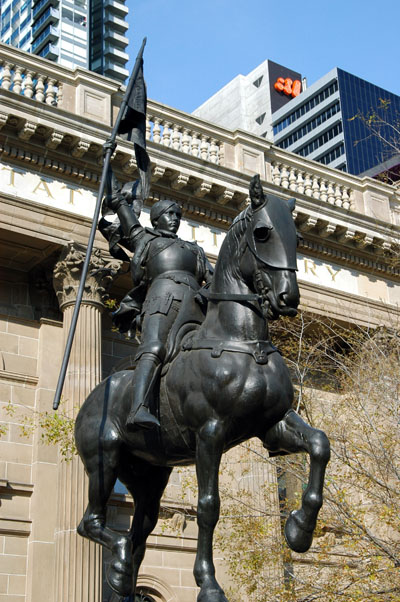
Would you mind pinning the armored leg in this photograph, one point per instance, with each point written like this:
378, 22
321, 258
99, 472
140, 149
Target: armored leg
147, 371
151, 354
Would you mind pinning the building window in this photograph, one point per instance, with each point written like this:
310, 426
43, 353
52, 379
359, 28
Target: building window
321, 140
332, 155
310, 126
260, 119
257, 82
307, 106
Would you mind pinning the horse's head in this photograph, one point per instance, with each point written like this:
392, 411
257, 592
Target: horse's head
268, 262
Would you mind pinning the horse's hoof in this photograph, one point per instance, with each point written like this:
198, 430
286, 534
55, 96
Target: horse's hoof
212, 595
120, 582
120, 573
298, 538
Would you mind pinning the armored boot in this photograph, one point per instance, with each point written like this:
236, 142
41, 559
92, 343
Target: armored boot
146, 374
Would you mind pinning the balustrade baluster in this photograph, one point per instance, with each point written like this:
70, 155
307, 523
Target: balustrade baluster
204, 147
221, 153
157, 130
351, 198
300, 182
276, 173
308, 185
166, 135
284, 177
195, 144
346, 198
213, 151
315, 187
185, 141
50, 92
176, 137
60, 94
338, 195
292, 179
323, 191
6, 76
331, 194
39, 88
17, 81
148, 128
28, 84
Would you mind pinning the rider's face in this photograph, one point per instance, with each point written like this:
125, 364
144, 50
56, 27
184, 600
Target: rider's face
169, 220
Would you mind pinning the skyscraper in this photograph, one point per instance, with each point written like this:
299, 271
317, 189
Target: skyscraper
74, 33
322, 123
318, 122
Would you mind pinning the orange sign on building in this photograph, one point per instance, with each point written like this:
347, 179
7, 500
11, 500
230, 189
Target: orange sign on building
288, 86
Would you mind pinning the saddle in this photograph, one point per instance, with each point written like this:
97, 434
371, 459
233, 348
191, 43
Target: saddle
190, 316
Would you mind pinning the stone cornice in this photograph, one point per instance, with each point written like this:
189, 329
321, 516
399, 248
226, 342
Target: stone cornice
337, 255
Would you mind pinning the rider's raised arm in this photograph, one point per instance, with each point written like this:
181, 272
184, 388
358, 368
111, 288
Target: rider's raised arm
130, 225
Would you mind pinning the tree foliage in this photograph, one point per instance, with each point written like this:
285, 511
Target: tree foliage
53, 428
348, 383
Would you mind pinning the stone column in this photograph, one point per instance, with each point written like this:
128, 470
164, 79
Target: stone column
78, 561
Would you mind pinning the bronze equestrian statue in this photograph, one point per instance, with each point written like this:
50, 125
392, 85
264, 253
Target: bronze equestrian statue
222, 383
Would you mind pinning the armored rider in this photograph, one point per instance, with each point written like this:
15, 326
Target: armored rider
164, 268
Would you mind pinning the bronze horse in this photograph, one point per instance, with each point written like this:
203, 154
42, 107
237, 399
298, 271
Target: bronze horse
235, 386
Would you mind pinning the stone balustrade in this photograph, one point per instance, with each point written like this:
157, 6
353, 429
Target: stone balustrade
19, 77
96, 98
303, 181
185, 133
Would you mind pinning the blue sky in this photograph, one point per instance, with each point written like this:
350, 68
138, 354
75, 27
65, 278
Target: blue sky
194, 47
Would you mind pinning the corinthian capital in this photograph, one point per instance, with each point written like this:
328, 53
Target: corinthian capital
68, 270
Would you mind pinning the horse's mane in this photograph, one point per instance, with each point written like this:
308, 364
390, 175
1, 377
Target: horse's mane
235, 233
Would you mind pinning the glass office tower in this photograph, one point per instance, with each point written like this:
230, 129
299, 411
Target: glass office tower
74, 33
321, 123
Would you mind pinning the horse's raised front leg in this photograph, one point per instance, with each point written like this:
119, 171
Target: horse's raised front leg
209, 447
293, 435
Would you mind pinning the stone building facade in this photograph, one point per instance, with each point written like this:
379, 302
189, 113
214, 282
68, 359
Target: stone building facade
53, 123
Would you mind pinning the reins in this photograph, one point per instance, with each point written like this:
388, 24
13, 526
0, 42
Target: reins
204, 292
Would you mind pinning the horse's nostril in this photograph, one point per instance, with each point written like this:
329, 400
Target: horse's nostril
290, 300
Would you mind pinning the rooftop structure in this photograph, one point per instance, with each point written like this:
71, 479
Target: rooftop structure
247, 102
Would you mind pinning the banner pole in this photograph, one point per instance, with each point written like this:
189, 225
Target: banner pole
106, 165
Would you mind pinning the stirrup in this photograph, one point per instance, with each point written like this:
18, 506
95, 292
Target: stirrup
142, 418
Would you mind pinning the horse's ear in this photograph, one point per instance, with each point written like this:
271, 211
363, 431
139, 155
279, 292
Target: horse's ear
256, 192
292, 204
